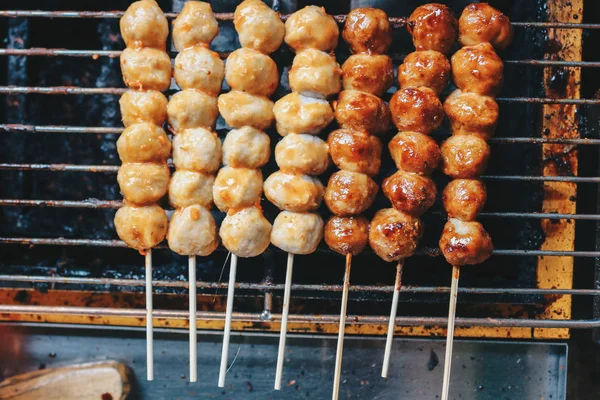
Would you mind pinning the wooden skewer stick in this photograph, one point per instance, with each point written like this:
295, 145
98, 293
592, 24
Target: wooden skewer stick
284, 320
229, 311
392, 323
340, 343
450, 334
193, 329
149, 332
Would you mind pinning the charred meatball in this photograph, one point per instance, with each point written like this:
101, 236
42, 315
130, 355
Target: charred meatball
464, 156
478, 69
394, 235
415, 152
472, 114
360, 111
350, 193
416, 110
410, 193
368, 30
355, 151
464, 198
465, 243
141, 227
481, 23
433, 27
347, 235
424, 68
368, 73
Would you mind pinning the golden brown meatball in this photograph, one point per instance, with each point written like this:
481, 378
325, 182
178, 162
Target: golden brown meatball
143, 183
258, 26
311, 27
299, 114
144, 25
146, 69
315, 73
350, 193
433, 27
142, 227
367, 30
199, 68
355, 151
237, 188
416, 110
415, 152
410, 193
465, 243
190, 187
240, 109
195, 25
302, 154
424, 68
297, 233
347, 235
464, 156
193, 231
148, 106
464, 198
394, 235
144, 142
251, 71
478, 69
368, 73
362, 112
246, 147
480, 23
192, 109
472, 114
294, 192
198, 150
246, 232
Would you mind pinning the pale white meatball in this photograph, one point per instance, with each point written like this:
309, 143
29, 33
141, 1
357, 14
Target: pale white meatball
258, 26
142, 227
299, 114
192, 109
311, 27
144, 142
237, 188
246, 233
297, 233
197, 150
195, 25
144, 25
315, 73
240, 109
143, 183
251, 71
199, 68
246, 147
146, 69
191, 187
193, 232
302, 154
294, 192
147, 106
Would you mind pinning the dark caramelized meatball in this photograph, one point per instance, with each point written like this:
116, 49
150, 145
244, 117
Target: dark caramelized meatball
368, 73
464, 198
350, 193
465, 243
424, 68
394, 235
347, 235
471, 114
410, 193
355, 151
362, 111
368, 30
464, 156
415, 152
433, 27
480, 23
478, 69
417, 110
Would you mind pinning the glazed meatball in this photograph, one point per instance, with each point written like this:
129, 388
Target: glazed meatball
193, 231
302, 154
315, 73
258, 26
246, 147
237, 188
195, 25
350, 193
144, 25
368, 30
355, 151
148, 106
294, 192
143, 227
360, 111
199, 68
240, 109
480, 23
433, 27
251, 71
191, 187
472, 114
297, 233
299, 114
394, 235
311, 27
464, 198
143, 183
246, 233
424, 68
416, 110
198, 150
192, 109
368, 73
144, 142
146, 69
410, 193
464, 156
465, 243
415, 152
478, 69
347, 235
